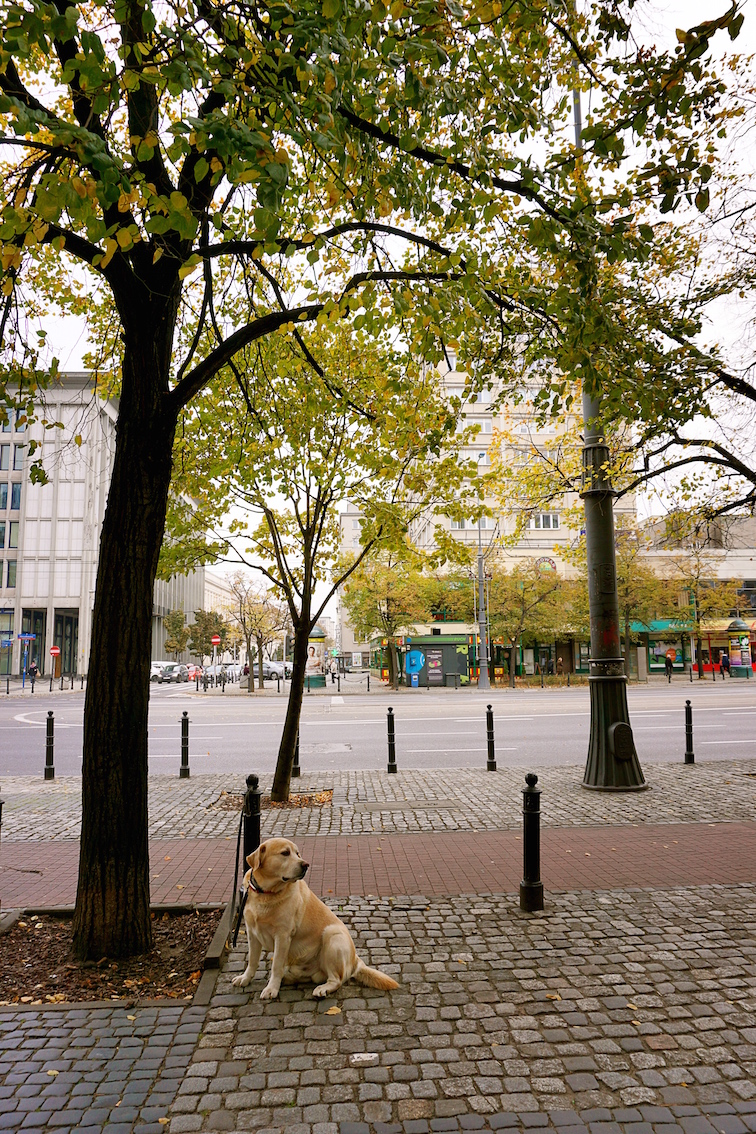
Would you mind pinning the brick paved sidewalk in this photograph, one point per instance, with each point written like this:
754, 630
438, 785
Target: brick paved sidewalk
460, 862
366, 802
625, 1012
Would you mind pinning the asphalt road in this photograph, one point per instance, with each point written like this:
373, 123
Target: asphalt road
235, 732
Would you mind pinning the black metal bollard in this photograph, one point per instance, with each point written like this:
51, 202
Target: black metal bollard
391, 742
690, 671
223, 683
368, 688
61, 683
295, 766
568, 679
278, 683
184, 769
50, 747
531, 887
251, 814
689, 757
541, 678
713, 673
338, 682
82, 683
51, 681
308, 683
196, 683
491, 764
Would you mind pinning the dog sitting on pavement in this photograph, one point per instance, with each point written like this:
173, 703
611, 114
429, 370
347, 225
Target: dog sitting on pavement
308, 940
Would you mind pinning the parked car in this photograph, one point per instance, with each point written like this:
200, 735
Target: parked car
173, 672
156, 670
195, 671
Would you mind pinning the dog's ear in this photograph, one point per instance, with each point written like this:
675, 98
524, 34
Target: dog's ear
253, 859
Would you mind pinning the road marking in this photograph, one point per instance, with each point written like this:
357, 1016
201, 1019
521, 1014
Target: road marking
726, 743
480, 748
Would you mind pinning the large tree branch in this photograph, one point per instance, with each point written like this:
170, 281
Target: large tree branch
247, 247
193, 382
429, 157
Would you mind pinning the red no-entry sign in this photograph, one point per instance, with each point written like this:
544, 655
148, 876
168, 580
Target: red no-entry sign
54, 651
215, 639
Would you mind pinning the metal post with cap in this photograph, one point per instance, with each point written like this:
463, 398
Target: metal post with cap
689, 757
184, 769
531, 887
391, 742
491, 762
251, 813
50, 747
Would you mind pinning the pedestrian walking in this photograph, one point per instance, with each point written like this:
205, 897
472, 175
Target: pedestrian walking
560, 667
668, 668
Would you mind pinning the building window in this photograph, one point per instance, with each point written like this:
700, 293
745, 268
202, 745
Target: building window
20, 421
2, 534
13, 534
548, 520
483, 397
7, 424
18, 457
4, 457
16, 496
3, 496
355, 523
11, 573
458, 525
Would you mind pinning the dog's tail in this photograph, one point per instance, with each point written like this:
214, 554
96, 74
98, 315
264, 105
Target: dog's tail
372, 977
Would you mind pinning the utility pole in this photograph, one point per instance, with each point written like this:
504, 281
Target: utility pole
612, 763
483, 681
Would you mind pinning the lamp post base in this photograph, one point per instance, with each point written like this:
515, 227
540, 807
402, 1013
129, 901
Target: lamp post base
612, 763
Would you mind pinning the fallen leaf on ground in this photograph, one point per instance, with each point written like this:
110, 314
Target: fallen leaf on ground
335, 1011
553, 996
53, 1072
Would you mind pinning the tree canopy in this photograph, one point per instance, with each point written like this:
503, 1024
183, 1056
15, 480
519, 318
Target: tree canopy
164, 164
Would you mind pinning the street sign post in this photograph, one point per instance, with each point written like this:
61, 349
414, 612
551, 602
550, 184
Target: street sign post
26, 639
216, 642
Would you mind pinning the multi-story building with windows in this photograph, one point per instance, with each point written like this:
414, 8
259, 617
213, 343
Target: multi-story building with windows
50, 533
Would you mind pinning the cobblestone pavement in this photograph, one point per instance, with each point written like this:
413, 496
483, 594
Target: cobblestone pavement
106, 1068
629, 1011
419, 800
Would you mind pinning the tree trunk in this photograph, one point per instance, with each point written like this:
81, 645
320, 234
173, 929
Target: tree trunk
393, 664
699, 653
250, 666
260, 678
112, 916
282, 778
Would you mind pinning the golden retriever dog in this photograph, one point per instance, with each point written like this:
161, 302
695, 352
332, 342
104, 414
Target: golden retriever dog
308, 941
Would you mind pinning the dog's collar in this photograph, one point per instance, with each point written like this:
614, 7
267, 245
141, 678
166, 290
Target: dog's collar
253, 885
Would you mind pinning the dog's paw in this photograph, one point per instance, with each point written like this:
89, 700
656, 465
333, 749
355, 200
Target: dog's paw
269, 992
320, 991
242, 981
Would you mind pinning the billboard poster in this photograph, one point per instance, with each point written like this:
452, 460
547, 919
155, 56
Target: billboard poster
434, 662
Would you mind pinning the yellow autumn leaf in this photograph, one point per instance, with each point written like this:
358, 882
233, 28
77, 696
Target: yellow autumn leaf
110, 250
53, 1072
335, 1011
330, 82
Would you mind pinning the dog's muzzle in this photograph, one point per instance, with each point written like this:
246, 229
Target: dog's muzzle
304, 868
